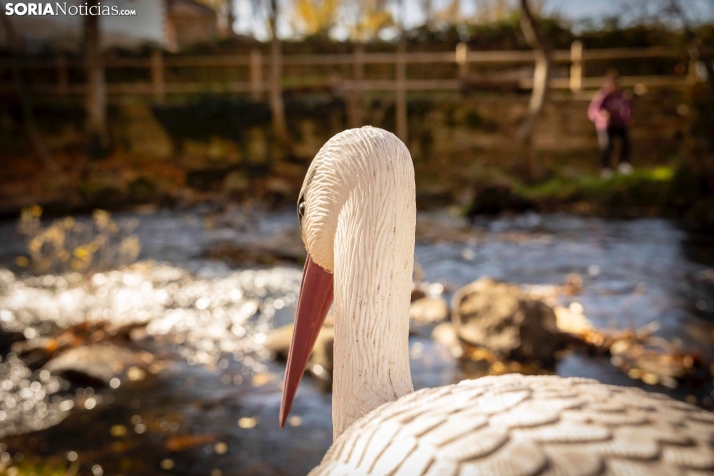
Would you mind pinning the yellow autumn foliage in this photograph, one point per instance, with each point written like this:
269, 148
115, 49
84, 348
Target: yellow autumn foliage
72, 245
312, 17
368, 18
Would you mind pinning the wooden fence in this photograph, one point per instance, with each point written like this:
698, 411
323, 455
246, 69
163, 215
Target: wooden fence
258, 84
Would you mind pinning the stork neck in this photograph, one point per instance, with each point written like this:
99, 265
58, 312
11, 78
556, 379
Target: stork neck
374, 258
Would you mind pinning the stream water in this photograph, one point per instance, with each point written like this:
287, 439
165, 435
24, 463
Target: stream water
209, 405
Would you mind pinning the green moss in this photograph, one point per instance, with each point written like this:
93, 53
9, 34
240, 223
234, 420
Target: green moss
38, 469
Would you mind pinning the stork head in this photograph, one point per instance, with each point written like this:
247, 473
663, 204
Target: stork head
345, 203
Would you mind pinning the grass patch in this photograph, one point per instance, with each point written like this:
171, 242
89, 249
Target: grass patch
643, 188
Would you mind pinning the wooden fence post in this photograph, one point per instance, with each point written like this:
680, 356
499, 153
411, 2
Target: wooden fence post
256, 74
692, 76
462, 50
62, 84
401, 92
576, 67
157, 75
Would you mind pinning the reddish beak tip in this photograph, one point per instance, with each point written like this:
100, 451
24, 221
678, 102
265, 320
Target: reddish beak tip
316, 295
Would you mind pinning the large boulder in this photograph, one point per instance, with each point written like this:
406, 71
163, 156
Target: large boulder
500, 317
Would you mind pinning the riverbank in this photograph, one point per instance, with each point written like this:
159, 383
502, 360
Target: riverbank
120, 184
665, 191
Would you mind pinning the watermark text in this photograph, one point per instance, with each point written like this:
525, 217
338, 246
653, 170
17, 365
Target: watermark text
62, 8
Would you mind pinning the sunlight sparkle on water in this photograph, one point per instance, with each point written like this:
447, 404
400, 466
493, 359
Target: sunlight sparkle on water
212, 318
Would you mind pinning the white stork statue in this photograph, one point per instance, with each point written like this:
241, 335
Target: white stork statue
357, 212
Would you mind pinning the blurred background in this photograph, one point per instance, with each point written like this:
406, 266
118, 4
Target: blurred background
150, 257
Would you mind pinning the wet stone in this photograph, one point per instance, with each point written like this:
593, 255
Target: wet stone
499, 317
97, 365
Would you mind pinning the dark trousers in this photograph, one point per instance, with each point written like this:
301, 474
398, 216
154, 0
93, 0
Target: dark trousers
606, 138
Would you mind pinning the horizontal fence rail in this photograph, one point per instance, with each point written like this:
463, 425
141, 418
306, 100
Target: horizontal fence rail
354, 82
157, 63
484, 57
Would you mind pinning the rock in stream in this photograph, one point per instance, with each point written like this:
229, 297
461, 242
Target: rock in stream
500, 317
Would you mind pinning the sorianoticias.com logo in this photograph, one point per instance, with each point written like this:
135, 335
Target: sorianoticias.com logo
50, 9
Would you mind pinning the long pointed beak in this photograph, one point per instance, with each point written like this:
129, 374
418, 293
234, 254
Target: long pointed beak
316, 295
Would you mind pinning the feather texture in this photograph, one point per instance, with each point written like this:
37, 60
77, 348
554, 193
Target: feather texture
512, 425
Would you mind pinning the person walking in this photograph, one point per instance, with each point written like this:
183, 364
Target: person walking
610, 111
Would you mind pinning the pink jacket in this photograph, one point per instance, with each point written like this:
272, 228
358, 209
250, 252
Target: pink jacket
617, 104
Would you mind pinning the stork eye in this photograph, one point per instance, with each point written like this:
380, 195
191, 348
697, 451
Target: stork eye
301, 208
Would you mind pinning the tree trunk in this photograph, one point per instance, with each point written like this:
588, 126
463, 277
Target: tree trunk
277, 107
537, 42
427, 6
28, 115
698, 144
96, 99
231, 18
